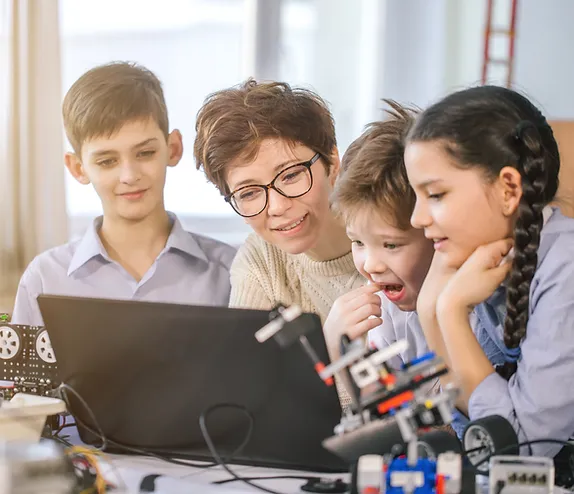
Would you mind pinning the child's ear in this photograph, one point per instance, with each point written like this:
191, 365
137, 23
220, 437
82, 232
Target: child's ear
74, 166
510, 183
335, 166
175, 147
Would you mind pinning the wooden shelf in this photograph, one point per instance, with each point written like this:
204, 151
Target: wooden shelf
564, 134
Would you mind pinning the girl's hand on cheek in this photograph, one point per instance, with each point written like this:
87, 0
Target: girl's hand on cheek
435, 281
478, 278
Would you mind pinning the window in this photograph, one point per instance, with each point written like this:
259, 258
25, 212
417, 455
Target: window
335, 47
199, 46
194, 46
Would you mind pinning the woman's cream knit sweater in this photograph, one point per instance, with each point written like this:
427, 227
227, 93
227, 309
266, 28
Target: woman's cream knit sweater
263, 276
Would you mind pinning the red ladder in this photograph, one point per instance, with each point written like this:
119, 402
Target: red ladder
509, 32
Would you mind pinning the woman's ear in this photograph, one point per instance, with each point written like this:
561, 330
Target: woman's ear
335, 166
510, 184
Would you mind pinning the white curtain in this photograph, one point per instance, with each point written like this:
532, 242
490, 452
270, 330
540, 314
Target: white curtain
32, 198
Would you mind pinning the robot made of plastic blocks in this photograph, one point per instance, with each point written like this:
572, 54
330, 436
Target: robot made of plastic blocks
413, 411
410, 473
383, 399
378, 390
381, 391
377, 474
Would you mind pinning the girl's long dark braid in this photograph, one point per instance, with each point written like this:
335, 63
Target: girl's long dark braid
526, 233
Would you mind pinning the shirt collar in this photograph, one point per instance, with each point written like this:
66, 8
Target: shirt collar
546, 213
90, 246
184, 241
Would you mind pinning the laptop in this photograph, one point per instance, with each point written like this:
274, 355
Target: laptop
149, 370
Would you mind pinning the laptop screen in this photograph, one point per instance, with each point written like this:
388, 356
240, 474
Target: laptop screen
149, 370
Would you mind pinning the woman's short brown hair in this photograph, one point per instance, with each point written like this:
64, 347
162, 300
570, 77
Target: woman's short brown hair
373, 172
233, 122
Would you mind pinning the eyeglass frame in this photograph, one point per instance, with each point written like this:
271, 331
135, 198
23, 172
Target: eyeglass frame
271, 185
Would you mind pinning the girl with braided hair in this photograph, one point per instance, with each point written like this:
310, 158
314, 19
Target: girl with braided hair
484, 166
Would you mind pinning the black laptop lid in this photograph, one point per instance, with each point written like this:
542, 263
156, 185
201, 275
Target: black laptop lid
148, 371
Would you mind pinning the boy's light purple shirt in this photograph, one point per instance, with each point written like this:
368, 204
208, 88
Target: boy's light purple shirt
191, 269
399, 325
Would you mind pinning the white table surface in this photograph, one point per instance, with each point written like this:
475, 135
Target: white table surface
127, 473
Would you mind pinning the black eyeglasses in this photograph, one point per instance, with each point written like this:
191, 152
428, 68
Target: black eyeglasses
294, 181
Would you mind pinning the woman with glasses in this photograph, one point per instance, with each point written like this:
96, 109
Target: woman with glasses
271, 151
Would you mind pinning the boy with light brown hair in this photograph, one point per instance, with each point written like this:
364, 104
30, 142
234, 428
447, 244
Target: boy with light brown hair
375, 200
116, 121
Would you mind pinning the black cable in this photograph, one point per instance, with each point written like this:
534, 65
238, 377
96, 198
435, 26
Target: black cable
106, 441
466, 452
273, 477
206, 436
525, 443
100, 433
223, 462
61, 440
213, 450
